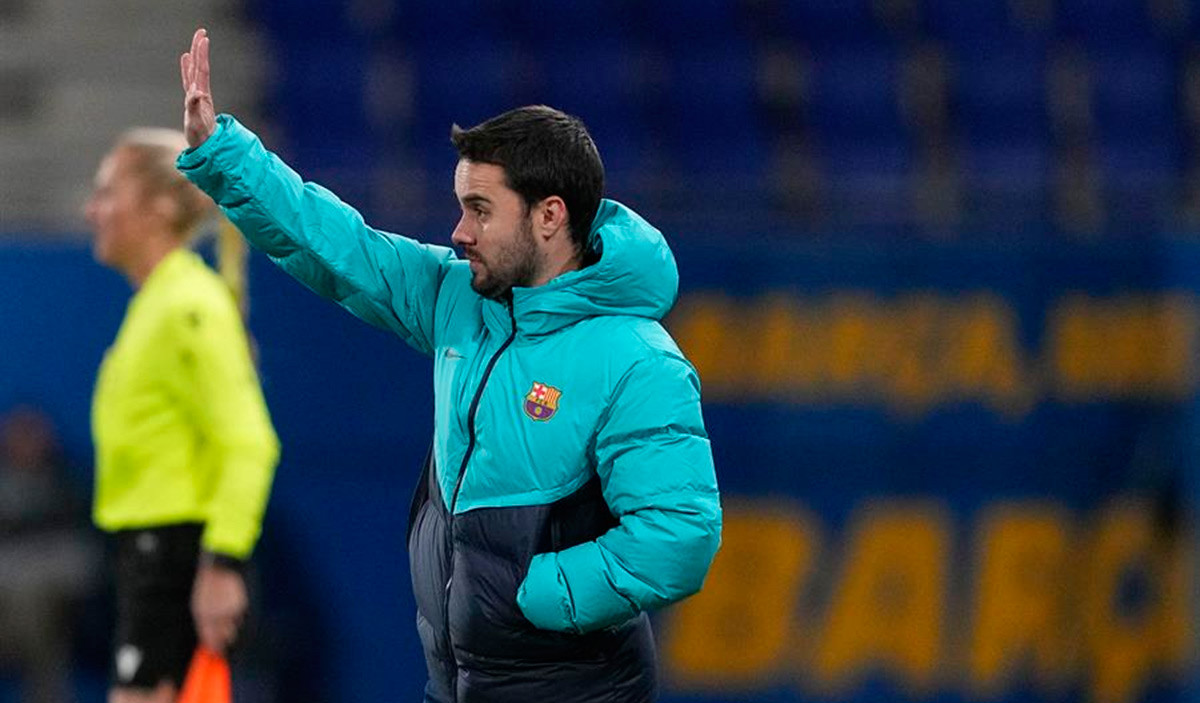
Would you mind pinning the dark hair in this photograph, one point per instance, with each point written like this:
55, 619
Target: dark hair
543, 152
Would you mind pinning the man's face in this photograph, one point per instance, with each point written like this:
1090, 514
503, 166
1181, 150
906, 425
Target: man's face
495, 232
117, 211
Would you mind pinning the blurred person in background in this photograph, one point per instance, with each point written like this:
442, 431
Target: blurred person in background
47, 559
570, 487
185, 449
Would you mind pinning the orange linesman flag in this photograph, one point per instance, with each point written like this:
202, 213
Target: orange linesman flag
208, 679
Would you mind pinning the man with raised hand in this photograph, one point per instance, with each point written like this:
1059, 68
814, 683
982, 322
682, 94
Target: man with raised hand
570, 486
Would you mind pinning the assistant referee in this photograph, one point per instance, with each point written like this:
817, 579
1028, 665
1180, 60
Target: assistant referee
185, 449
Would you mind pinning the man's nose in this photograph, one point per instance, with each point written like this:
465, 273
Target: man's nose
460, 236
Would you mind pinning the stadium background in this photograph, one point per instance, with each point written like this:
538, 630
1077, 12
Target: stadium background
940, 276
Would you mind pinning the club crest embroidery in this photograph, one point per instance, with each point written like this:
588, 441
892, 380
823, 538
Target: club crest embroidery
541, 402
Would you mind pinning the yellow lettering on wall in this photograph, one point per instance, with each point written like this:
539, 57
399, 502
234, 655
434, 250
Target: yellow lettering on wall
781, 365
852, 333
1074, 339
1177, 328
1126, 645
1124, 347
1020, 596
739, 630
886, 606
701, 326
914, 378
919, 350
986, 361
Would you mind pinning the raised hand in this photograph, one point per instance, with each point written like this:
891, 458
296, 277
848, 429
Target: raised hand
199, 117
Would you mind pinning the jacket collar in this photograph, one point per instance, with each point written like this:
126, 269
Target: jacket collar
634, 274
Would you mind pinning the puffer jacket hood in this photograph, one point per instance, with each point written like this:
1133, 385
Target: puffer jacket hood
635, 274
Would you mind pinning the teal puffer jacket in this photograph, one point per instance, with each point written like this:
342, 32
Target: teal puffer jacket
573, 384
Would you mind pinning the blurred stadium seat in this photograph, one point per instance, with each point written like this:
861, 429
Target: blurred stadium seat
833, 22
689, 99
692, 100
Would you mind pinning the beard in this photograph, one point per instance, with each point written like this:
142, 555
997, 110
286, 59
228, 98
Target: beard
513, 264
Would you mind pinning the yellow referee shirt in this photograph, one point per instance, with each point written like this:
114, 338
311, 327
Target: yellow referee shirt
181, 429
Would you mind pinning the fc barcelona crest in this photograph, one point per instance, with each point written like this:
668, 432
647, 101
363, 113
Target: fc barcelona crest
541, 402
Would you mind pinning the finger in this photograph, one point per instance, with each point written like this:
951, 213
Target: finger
194, 56
204, 633
202, 66
228, 634
196, 37
185, 70
210, 633
221, 633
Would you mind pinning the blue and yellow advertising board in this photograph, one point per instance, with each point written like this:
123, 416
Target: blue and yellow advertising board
951, 471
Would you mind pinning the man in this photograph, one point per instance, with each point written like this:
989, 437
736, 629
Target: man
570, 486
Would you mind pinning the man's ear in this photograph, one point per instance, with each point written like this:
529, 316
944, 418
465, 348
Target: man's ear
550, 216
165, 207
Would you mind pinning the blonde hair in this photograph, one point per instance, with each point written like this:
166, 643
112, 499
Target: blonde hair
153, 151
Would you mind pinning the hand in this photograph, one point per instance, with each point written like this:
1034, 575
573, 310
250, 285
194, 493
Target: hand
219, 603
199, 117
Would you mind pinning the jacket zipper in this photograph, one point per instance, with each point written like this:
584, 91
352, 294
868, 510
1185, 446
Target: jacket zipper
474, 409
462, 472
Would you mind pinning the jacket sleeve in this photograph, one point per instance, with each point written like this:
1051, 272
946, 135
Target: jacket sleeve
385, 279
221, 393
656, 472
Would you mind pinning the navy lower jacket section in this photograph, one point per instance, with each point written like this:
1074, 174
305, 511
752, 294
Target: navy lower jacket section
478, 646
